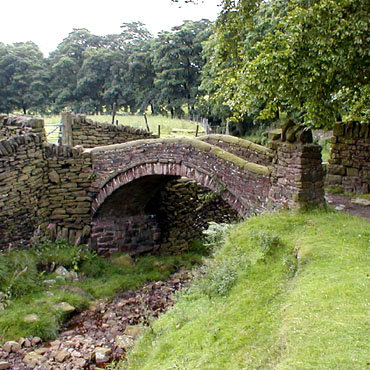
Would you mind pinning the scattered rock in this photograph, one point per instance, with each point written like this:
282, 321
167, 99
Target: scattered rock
32, 359
340, 207
31, 318
42, 350
361, 201
62, 356
123, 341
99, 335
49, 282
11, 346
134, 331
65, 307
63, 272
73, 276
102, 355
80, 363
4, 365
35, 341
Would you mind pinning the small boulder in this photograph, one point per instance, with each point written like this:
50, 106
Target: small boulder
65, 307
123, 260
63, 272
35, 341
124, 341
102, 355
62, 356
31, 318
4, 365
361, 201
11, 346
32, 359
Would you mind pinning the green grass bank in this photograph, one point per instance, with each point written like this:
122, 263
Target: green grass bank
30, 285
283, 291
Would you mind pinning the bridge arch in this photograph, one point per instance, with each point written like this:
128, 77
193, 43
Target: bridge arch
126, 172
243, 185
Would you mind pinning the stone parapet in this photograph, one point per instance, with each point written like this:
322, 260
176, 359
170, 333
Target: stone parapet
298, 175
242, 148
90, 134
21, 125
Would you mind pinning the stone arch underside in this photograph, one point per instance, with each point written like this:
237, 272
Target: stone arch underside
148, 166
234, 193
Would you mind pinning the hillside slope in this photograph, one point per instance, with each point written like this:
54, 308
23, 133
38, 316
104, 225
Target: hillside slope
285, 291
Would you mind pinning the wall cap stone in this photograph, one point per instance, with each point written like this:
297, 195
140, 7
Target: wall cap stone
195, 143
237, 141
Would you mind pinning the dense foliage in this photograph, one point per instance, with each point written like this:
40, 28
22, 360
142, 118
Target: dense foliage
306, 60
89, 73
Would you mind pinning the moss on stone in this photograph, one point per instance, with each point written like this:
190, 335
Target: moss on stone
246, 144
198, 144
257, 168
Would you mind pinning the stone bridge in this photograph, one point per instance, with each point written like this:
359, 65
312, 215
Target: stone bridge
106, 195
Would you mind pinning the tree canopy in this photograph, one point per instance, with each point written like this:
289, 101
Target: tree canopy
307, 60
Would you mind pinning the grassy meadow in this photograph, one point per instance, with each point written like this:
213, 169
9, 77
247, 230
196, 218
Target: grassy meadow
169, 127
283, 291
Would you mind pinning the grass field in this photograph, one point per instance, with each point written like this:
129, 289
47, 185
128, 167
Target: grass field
168, 127
285, 291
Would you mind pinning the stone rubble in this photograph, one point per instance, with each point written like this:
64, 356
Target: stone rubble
97, 336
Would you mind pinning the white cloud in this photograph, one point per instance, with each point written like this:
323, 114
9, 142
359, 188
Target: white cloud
48, 22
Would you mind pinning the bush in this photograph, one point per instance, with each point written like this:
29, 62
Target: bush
215, 234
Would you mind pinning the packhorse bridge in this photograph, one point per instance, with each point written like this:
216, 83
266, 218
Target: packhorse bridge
123, 196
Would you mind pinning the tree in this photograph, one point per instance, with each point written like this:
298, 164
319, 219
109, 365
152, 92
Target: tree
23, 78
65, 63
177, 63
307, 59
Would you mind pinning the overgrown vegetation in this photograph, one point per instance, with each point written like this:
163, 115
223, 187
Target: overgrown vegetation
284, 291
30, 285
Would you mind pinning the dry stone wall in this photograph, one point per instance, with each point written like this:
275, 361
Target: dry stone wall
91, 134
42, 186
62, 189
21, 125
130, 234
21, 186
66, 200
349, 164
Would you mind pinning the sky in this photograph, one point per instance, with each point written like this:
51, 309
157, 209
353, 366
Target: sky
48, 22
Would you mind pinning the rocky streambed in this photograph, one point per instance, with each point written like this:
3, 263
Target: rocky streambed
99, 335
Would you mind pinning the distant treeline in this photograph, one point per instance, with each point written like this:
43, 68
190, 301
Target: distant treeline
261, 61
90, 74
